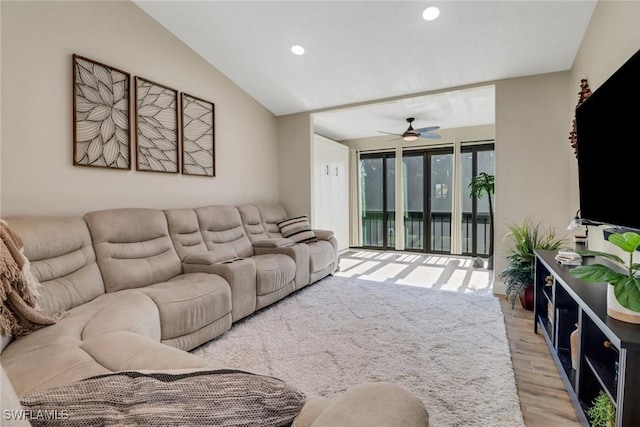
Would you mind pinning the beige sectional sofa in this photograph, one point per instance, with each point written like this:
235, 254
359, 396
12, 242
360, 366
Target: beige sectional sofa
142, 287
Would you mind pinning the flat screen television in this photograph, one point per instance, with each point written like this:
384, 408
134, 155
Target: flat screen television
608, 149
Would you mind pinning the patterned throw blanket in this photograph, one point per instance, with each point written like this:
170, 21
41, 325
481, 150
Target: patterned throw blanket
203, 398
19, 313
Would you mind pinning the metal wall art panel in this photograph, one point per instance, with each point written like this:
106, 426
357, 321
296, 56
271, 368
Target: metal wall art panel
198, 136
101, 125
156, 127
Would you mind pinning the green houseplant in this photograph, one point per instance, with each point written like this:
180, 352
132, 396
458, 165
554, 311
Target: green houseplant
522, 239
623, 296
482, 184
602, 412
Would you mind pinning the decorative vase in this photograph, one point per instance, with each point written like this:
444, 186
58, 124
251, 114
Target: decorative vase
617, 311
526, 298
573, 340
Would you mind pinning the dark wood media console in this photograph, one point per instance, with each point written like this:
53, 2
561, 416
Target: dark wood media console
608, 350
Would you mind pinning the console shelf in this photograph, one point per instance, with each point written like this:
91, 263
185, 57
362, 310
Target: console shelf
607, 350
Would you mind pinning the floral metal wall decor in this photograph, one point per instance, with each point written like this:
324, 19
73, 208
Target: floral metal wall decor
156, 127
101, 134
584, 93
198, 136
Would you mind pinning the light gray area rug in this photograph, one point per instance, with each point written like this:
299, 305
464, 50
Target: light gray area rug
449, 349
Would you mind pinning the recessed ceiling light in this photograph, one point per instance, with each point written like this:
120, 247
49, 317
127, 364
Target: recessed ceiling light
431, 13
297, 49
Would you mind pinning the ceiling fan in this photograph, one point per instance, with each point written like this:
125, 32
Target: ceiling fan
412, 134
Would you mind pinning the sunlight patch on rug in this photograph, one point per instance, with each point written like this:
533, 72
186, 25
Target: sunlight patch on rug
444, 272
450, 349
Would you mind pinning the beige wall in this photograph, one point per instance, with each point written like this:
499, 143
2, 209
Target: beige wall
0, 114
37, 176
531, 155
612, 37
295, 139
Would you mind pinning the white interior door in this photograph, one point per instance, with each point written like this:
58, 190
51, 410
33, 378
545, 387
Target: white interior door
331, 188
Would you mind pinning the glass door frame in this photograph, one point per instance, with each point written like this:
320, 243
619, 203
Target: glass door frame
386, 156
427, 154
474, 149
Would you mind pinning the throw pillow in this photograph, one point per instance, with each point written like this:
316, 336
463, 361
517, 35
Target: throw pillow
297, 229
212, 397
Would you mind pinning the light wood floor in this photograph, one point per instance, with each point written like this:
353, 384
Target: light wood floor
543, 398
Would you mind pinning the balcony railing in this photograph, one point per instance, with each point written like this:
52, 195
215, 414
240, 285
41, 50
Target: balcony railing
440, 230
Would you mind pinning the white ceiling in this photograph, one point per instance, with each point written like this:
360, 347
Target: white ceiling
360, 51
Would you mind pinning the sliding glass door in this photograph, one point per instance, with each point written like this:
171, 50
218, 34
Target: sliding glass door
428, 193
413, 177
428, 187
476, 223
378, 175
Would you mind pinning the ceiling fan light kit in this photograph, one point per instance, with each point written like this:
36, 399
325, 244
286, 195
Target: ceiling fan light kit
412, 134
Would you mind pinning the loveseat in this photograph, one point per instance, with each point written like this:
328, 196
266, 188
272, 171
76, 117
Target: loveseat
141, 287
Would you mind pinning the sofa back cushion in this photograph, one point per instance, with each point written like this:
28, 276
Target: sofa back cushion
62, 258
252, 223
221, 228
133, 247
271, 215
185, 232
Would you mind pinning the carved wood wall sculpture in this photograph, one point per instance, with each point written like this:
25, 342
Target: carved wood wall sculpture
584, 93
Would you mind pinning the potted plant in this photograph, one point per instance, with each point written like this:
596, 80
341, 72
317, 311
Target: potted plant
518, 276
623, 291
602, 412
480, 185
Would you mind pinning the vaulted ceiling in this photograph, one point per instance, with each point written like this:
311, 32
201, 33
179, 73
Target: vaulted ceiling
362, 51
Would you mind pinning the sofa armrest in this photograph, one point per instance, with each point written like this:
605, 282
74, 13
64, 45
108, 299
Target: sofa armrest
240, 274
323, 234
211, 257
274, 243
373, 404
328, 236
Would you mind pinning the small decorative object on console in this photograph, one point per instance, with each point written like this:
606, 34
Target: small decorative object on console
569, 258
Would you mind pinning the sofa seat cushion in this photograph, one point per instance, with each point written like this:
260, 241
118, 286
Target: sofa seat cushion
273, 272
189, 302
54, 355
320, 255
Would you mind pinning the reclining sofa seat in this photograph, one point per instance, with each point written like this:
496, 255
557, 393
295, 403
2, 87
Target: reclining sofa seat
211, 239
134, 251
261, 223
106, 331
101, 333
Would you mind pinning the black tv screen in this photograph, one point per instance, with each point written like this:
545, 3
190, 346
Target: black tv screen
608, 150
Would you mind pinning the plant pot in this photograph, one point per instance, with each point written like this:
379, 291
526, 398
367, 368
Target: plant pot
490, 263
617, 311
526, 298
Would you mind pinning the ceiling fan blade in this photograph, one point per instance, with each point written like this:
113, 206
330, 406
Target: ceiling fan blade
389, 133
394, 139
427, 129
430, 135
